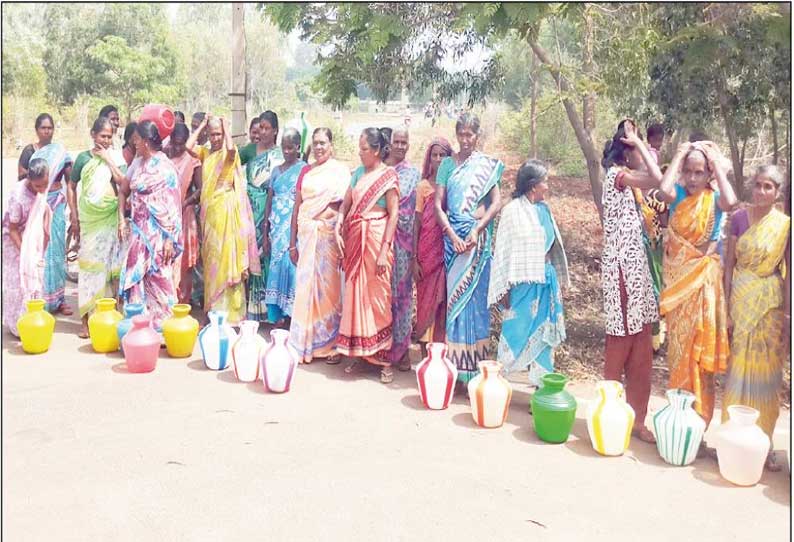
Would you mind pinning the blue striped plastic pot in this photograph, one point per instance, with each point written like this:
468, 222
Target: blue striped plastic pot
216, 341
679, 429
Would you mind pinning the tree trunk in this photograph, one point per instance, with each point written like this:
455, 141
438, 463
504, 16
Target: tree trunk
775, 157
582, 136
533, 110
733, 141
589, 100
238, 86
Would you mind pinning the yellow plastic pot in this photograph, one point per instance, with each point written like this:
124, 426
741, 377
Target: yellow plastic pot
36, 328
180, 332
102, 326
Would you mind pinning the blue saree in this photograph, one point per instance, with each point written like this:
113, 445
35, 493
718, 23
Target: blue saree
280, 289
468, 318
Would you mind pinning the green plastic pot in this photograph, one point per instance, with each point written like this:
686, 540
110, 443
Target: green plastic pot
553, 409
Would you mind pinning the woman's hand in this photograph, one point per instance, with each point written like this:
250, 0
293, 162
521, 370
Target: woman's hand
417, 271
266, 245
246, 274
293, 255
103, 153
74, 228
340, 242
382, 264
474, 235
123, 230
168, 251
684, 148
631, 139
459, 245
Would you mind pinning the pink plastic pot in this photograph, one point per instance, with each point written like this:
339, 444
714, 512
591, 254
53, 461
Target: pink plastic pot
141, 345
161, 116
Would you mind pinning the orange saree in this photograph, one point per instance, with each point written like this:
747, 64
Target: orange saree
694, 303
366, 326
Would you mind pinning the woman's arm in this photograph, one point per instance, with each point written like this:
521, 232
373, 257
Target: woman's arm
393, 209
191, 141
195, 197
231, 149
727, 278
667, 188
13, 233
417, 270
340, 221
293, 228
266, 222
71, 202
728, 198
459, 245
787, 292
493, 209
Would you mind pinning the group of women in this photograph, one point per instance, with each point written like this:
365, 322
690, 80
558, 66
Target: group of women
357, 264
724, 293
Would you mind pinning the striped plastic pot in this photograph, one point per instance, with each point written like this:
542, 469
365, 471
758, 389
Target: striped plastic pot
279, 363
436, 376
489, 394
216, 341
610, 419
678, 428
247, 352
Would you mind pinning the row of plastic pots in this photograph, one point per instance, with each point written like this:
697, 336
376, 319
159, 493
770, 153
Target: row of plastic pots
741, 444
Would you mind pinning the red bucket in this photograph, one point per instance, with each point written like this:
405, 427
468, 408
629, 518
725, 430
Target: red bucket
161, 116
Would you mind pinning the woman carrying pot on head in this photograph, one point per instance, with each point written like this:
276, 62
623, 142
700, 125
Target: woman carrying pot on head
228, 249
468, 181
693, 301
97, 219
630, 305
529, 264
155, 230
317, 309
365, 232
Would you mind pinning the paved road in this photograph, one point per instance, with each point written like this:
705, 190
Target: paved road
91, 452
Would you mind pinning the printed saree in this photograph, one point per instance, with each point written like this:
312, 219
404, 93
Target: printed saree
155, 203
468, 319
55, 259
280, 290
758, 351
258, 172
534, 324
228, 247
693, 302
366, 326
317, 309
650, 208
99, 256
402, 273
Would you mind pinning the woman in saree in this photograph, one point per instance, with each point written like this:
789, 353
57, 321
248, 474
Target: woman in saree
630, 305
188, 171
228, 248
468, 181
693, 301
317, 309
280, 290
97, 219
757, 258
529, 264
45, 128
154, 233
404, 250
259, 160
59, 165
429, 271
365, 232
25, 236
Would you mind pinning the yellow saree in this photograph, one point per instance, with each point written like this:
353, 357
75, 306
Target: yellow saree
757, 348
693, 302
229, 243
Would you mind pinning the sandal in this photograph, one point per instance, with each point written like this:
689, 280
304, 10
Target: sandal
771, 463
352, 367
405, 365
83, 334
333, 360
644, 434
386, 375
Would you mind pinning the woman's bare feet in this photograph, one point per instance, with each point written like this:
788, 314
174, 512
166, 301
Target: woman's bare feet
644, 434
65, 310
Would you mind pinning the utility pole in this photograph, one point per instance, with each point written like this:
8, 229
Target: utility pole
239, 80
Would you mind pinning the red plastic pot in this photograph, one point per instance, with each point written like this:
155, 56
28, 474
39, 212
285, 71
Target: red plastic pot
161, 116
141, 345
